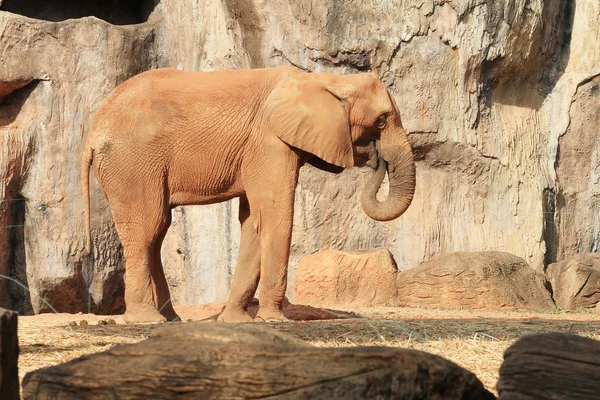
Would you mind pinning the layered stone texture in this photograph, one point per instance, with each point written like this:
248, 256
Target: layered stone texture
575, 282
349, 279
53, 76
489, 280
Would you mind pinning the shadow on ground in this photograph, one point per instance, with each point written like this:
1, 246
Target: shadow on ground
338, 327
295, 312
395, 332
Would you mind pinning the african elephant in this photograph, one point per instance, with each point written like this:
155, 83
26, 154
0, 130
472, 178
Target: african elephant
168, 138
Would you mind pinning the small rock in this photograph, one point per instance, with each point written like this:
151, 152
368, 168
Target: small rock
359, 278
111, 322
102, 322
576, 282
83, 322
73, 323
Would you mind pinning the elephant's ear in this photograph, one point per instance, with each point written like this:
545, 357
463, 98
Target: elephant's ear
306, 112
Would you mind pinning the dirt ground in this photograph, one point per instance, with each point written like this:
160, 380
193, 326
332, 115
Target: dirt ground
473, 339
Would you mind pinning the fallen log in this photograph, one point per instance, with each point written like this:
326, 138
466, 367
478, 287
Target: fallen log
551, 365
9, 353
208, 360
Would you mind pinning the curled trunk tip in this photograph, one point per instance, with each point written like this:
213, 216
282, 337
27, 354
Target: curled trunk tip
401, 172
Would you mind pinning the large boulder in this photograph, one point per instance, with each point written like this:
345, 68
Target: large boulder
575, 282
357, 279
481, 280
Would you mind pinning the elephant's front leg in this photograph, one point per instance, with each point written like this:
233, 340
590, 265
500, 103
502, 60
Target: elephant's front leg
247, 271
270, 182
276, 220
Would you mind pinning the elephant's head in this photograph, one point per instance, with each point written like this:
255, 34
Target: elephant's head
346, 121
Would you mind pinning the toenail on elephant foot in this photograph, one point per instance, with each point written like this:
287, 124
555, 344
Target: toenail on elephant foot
276, 316
144, 316
234, 316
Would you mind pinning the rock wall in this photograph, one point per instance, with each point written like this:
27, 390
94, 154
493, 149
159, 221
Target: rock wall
500, 100
53, 76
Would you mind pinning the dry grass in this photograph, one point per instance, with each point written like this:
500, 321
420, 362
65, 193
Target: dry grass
474, 340
48, 339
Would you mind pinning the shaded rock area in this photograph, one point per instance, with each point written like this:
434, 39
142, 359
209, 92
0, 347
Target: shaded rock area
578, 177
479, 280
253, 362
499, 100
550, 365
575, 282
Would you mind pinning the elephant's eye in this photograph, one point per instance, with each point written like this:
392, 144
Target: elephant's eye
381, 121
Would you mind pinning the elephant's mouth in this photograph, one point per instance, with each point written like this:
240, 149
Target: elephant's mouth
366, 154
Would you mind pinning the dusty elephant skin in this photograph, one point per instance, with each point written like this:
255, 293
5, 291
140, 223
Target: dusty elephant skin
167, 138
252, 362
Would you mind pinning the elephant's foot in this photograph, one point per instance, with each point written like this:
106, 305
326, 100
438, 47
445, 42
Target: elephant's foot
143, 316
270, 315
234, 315
169, 313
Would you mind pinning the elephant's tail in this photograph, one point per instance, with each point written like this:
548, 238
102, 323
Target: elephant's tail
88, 159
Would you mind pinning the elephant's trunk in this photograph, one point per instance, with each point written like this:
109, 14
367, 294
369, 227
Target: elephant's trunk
395, 158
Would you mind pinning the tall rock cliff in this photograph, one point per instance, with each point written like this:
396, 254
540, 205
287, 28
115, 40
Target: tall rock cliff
501, 101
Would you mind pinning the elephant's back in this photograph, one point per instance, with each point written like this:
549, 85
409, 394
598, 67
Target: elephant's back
168, 96
218, 83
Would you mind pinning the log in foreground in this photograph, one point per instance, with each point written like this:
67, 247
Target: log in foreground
551, 365
224, 361
9, 353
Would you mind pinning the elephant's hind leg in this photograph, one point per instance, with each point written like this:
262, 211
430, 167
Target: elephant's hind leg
140, 229
247, 271
162, 296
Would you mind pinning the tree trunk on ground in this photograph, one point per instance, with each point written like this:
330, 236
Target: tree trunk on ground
205, 360
9, 353
551, 365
